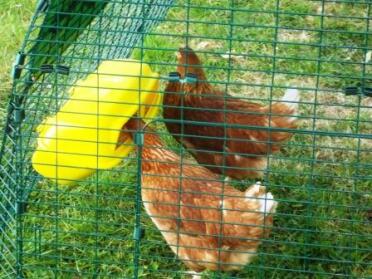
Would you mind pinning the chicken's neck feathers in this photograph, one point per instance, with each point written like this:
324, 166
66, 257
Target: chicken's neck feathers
154, 152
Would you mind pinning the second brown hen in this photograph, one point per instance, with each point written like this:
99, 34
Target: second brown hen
208, 224
238, 143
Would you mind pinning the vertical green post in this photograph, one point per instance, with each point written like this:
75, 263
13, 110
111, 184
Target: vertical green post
137, 234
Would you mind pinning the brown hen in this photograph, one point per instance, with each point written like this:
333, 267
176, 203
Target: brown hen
235, 145
207, 224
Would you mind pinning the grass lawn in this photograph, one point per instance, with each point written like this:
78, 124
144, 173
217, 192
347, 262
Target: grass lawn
322, 181
14, 19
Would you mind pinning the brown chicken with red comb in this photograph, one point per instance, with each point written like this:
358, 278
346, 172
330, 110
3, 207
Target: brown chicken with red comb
208, 224
234, 138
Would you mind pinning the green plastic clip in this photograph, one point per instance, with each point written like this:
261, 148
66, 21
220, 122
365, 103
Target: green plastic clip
358, 90
138, 233
19, 114
139, 138
174, 76
60, 69
17, 65
190, 78
21, 207
65, 70
46, 68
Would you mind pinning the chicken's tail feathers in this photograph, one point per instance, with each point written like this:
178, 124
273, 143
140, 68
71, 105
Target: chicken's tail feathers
267, 204
291, 98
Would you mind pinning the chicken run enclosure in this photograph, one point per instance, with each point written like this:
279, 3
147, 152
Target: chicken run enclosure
250, 96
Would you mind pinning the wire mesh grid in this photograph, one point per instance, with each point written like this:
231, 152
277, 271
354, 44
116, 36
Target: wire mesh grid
253, 50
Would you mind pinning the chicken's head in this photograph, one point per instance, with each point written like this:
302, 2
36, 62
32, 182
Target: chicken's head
189, 63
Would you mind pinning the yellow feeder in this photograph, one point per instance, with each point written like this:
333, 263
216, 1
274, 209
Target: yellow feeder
83, 135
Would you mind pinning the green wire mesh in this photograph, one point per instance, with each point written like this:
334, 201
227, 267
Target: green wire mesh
251, 49
66, 40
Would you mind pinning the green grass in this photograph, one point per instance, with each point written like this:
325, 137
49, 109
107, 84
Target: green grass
14, 19
321, 228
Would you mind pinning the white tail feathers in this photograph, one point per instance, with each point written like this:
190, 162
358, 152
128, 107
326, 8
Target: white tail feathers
291, 98
267, 203
257, 192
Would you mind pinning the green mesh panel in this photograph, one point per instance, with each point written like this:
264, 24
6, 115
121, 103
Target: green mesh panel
76, 34
254, 50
